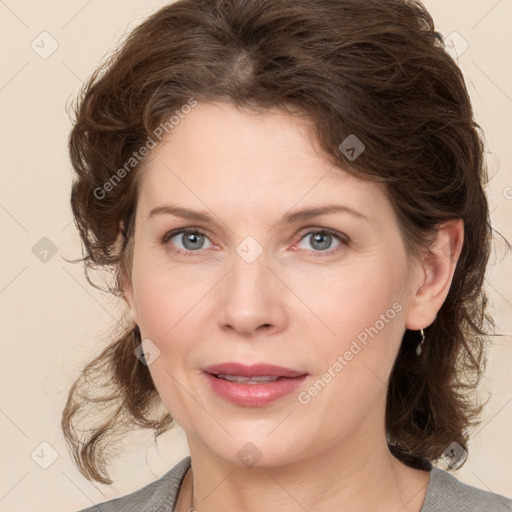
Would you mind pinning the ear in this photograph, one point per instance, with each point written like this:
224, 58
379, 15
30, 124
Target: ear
435, 276
127, 285
128, 297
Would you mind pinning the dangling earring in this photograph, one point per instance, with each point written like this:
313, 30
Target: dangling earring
420, 344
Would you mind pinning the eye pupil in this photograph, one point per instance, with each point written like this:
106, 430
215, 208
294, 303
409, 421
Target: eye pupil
322, 237
194, 238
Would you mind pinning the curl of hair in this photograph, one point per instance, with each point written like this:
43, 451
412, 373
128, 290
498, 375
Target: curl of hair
373, 68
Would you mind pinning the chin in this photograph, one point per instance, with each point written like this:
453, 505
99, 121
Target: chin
258, 451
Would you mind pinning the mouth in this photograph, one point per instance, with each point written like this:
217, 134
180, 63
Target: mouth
253, 385
248, 380
252, 373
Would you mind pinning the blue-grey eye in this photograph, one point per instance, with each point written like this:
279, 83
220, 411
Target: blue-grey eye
321, 240
190, 240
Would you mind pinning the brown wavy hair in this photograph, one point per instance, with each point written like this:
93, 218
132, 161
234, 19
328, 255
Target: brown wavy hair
374, 68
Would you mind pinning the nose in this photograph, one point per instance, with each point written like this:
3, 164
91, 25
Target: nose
252, 299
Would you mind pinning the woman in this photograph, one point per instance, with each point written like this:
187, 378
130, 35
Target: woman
291, 195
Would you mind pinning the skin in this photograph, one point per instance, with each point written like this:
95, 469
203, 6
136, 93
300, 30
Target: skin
295, 306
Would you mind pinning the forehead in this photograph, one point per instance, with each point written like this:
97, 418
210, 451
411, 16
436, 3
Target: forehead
221, 157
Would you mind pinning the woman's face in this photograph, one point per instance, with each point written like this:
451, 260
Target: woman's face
324, 295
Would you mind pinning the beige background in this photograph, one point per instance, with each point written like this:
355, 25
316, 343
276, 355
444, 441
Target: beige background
52, 320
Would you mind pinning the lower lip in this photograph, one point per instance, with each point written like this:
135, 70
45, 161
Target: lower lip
254, 395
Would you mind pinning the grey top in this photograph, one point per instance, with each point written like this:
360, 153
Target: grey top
444, 494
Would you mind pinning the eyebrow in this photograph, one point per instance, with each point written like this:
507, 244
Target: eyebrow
297, 216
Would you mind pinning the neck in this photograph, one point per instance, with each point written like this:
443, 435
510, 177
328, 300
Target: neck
357, 471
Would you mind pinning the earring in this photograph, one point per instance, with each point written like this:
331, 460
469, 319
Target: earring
420, 344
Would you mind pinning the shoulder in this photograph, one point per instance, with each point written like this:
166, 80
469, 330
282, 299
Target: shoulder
158, 495
446, 493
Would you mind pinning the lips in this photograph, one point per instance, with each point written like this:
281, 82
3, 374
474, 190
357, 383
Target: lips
255, 385
255, 370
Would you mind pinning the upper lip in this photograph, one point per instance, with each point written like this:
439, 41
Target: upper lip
254, 370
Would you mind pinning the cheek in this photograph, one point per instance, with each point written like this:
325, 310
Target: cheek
174, 309
153, 303
168, 312
349, 300
352, 364
162, 293
361, 320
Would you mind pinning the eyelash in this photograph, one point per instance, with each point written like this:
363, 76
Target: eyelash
343, 239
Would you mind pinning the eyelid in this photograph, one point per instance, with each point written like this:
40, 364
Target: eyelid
316, 229
341, 237
178, 231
